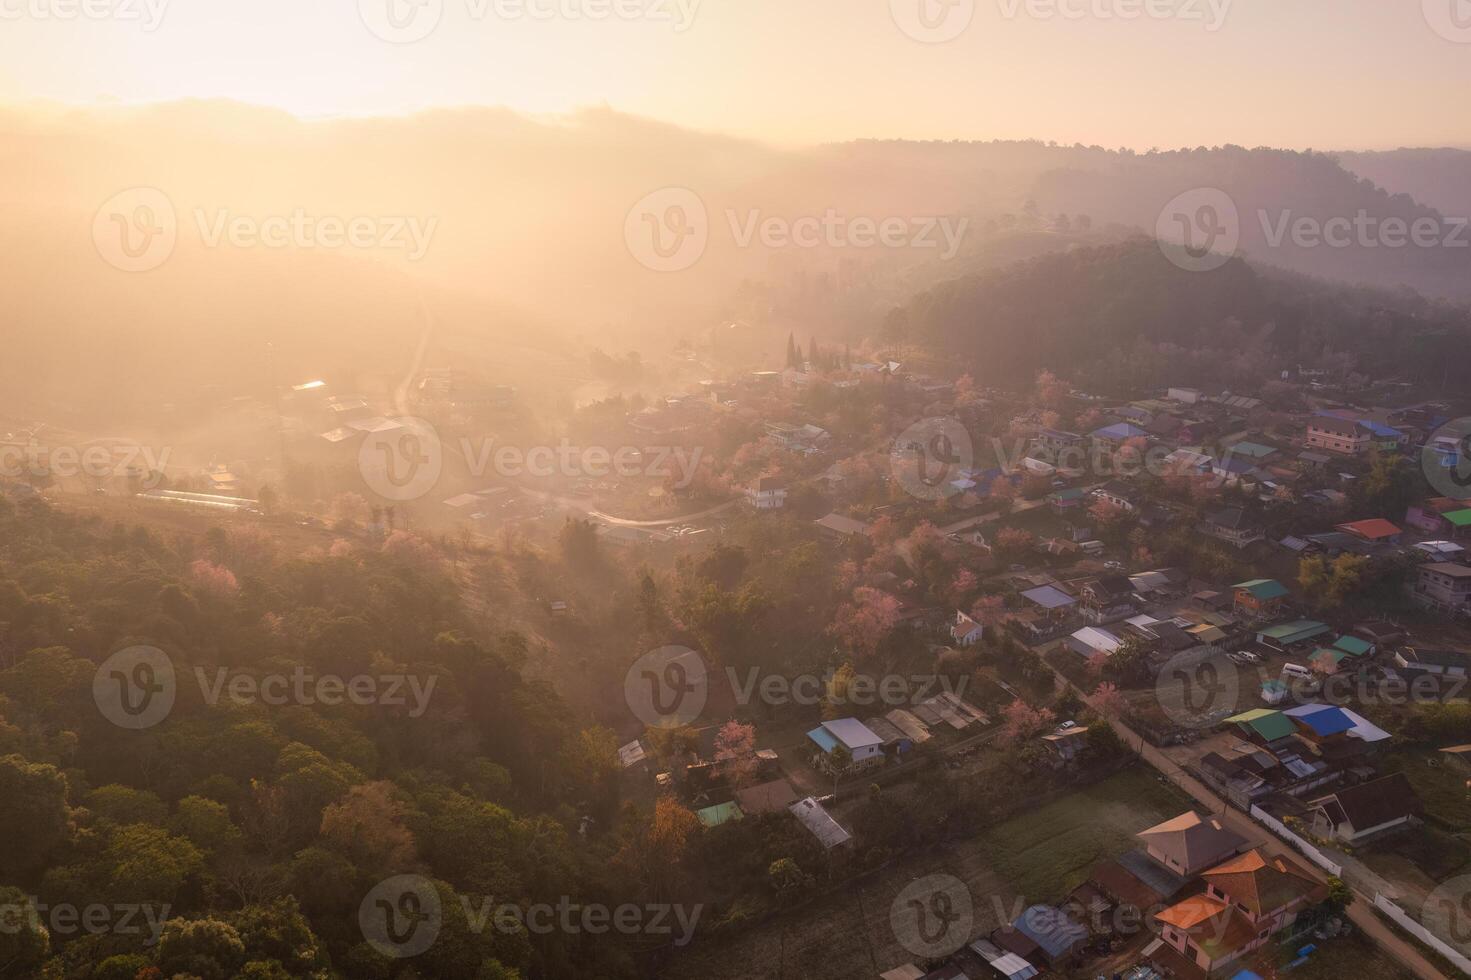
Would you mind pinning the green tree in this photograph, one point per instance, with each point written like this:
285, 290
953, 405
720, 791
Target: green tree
206, 948
34, 819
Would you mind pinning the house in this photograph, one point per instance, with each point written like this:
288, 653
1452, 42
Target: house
1442, 517
1054, 603
1056, 440
1376, 530
1007, 964
1114, 436
1212, 600
896, 742
965, 631
714, 816
1263, 727
1067, 744
1443, 585
1254, 451
1232, 526
769, 797
1246, 901
1054, 932
1356, 812
1119, 494
1321, 724
810, 814
767, 493
1188, 462
1137, 880
837, 526
1338, 436
1441, 550
1067, 500
1190, 843
1231, 470
1107, 599
1260, 597
864, 748
1091, 641
1187, 395
1447, 663
1285, 637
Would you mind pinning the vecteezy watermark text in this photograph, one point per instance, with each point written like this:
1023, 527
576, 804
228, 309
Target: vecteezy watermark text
669, 230
407, 21
65, 919
93, 461
402, 917
136, 688
148, 13
136, 230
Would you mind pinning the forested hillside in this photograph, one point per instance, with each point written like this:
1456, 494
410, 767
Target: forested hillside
1125, 316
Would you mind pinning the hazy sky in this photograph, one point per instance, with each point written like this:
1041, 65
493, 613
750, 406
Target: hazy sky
1298, 73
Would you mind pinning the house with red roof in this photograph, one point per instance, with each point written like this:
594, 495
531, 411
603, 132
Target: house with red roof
1376, 530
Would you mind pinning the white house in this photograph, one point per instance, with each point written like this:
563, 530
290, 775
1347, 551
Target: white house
1091, 641
864, 747
767, 493
965, 631
1356, 812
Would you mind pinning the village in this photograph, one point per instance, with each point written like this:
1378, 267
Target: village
1261, 599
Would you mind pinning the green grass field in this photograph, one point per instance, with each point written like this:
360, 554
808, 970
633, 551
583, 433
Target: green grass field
1036, 857
1048, 852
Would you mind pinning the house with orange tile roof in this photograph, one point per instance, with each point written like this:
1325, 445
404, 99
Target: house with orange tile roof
1247, 899
1376, 530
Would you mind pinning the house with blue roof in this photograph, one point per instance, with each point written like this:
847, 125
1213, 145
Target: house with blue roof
863, 746
1117, 434
1055, 933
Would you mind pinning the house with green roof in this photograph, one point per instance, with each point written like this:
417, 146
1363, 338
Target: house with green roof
1252, 450
1287, 636
1260, 597
1353, 646
714, 816
1262, 726
1326, 660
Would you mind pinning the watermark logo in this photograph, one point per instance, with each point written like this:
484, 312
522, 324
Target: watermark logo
1451, 19
932, 21
667, 687
404, 462
1446, 459
1447, 912
401, 916
136, 230
147, 12
1211, 12
401, 21
931, 457
1199, 230
933, 916
1197, 693
135, 687
667, 231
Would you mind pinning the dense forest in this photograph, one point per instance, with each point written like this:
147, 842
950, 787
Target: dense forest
1123, 317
